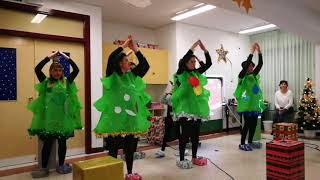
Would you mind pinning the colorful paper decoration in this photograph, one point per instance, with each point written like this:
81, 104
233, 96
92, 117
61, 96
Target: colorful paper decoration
244, 3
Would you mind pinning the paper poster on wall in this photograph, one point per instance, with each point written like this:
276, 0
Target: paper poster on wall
8, 74
214, 85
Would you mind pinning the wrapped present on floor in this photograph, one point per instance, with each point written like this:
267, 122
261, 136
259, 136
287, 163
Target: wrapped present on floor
285, 131
285, 160
106, 168
156, 131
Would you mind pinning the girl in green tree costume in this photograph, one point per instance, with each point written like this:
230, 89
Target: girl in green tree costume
190, 103
123, 106
56, 112
249, 97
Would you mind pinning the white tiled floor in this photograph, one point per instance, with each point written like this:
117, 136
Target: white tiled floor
223, 151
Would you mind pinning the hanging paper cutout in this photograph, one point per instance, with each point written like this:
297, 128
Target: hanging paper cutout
244, 3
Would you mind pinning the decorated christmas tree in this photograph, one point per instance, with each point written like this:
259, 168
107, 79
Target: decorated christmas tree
309, 111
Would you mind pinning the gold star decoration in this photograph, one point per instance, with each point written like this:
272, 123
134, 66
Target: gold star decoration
245, 3
222, 54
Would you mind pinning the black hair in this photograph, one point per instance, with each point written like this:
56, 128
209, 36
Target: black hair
283, 82
185, 65
245, 64
119, 57
116, 62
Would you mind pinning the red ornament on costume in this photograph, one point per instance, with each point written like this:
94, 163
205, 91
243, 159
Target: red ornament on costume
193, 81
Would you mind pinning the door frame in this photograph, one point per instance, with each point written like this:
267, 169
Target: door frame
85, 40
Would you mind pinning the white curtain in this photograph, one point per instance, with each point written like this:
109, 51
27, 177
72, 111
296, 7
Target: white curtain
286, 57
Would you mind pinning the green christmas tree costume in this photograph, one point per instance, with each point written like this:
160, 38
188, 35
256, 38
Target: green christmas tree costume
249, 95
190, 99
56, 112
123, 106
250, 101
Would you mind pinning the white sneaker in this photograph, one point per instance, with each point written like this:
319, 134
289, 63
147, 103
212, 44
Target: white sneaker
185, 164
186, 153
139, 155
160, 154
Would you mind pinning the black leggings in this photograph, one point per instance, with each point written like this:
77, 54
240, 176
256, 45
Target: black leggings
189, 129
250, 123
46, 150
129, 145
168, 125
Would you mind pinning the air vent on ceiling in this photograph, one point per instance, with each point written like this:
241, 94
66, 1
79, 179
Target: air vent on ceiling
138, 3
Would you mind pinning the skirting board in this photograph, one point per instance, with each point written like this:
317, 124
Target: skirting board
32, 159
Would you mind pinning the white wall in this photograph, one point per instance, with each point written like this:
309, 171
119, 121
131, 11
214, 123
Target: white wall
166, 38
317, 75
237, 45
95, 47
115, 31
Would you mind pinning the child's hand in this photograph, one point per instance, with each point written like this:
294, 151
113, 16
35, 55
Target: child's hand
202, 46
64, 55
132, 45
55, 53
253, 48
197, 43
258, 47
127, 42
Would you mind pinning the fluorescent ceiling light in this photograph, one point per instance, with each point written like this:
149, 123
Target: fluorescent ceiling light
199, 5
193, 12
38, 18
260, 28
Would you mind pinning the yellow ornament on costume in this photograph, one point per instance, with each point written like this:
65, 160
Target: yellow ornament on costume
197, 90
